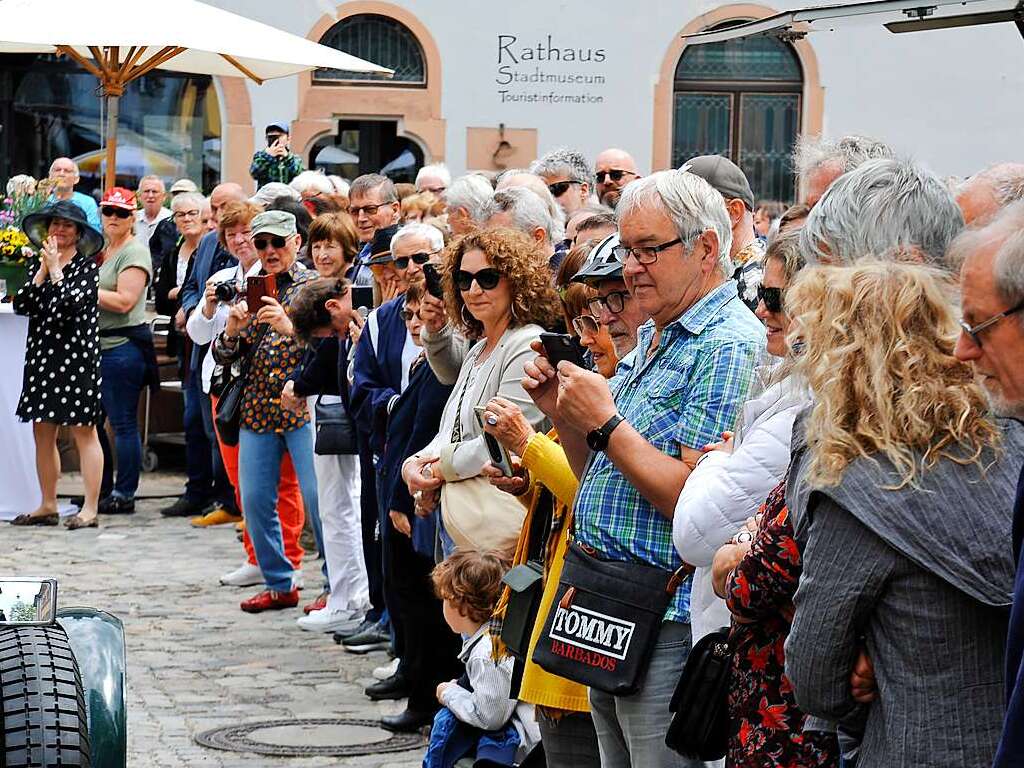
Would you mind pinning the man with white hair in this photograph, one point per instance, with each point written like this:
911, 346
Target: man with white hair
820, 161
467, 199
519, 208
64, 176
992, 341
567, 175
310, 184
884, 208
434, 179
633, 441
613, 170
983, 195
152, 193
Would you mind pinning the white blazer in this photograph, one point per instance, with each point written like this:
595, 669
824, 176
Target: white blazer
726, 488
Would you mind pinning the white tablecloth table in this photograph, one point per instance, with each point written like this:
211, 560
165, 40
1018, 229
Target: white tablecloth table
19, 488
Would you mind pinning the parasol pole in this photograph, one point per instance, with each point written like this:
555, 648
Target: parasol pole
113, 107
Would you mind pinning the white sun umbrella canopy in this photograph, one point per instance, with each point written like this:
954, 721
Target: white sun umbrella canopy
121, 40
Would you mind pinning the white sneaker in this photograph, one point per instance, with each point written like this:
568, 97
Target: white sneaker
298, 580
246, 575
329, 620
383, 673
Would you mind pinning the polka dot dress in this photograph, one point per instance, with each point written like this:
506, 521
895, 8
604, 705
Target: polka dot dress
61, 382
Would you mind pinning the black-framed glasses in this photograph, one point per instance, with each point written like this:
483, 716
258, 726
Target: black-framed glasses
402, 262
180, 215
487, 279
975, 330
261, 243
121, 213
369, 210
615, 174
772, 298
559, 187
613, 302
584, 324
644, 254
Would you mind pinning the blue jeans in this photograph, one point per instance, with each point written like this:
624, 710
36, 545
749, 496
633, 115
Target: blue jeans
259, 472
631, 729
198, 461
123, 369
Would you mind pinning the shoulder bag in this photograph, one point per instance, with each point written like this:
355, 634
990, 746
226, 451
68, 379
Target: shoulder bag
228, 418
605, 620
526, 581
700, 705
335, 434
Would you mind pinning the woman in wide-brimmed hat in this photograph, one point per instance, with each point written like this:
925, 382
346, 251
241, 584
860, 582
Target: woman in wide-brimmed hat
61, 383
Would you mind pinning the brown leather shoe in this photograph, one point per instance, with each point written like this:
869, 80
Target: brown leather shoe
75, 522
269, 600
36, 519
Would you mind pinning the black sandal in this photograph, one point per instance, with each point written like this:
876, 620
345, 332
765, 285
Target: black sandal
36, 519
75, 522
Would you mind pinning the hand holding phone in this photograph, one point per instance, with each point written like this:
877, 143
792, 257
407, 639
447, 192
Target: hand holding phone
258, 286
362, 299
500, 457
562, 346
433, 279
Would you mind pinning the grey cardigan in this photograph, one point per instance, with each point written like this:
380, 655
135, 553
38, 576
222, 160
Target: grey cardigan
925, 577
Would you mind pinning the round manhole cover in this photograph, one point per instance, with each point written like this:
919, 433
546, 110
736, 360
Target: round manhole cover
310, 737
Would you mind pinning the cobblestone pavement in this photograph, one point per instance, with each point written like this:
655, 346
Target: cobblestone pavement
195, 661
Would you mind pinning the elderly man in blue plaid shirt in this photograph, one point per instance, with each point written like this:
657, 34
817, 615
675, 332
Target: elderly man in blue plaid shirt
633, 441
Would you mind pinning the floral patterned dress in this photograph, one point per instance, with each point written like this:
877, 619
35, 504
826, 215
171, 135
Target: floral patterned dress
767, 726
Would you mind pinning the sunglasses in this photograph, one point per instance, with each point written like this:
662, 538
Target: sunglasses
402, 262
408, 314
559, 187
121, 213
369, 210
615, 174
261, 243
487, 279
584, 324
772, 298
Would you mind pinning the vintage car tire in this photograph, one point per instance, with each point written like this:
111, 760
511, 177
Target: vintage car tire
44, 720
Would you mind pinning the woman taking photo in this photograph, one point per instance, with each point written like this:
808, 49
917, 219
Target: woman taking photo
900, 492
494, 293
62, 360
128, 361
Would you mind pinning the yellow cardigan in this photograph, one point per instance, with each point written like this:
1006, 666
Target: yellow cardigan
548, 466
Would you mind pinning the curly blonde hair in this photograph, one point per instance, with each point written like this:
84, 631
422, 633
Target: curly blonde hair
517, 258
876, 347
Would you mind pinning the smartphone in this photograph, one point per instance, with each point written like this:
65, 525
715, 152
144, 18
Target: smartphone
434, 286
256, 287
562, 346
500, 457
362, 299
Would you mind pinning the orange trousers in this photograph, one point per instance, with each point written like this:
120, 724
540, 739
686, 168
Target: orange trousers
289, 503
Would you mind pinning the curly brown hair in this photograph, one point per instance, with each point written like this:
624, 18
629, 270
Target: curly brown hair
517, 258
471, 582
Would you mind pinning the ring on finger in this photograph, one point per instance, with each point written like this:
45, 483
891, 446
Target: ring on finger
492, 419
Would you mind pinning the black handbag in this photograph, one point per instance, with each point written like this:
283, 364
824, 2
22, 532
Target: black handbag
700, 704
335, 433
228, 418
605, 621
526, 581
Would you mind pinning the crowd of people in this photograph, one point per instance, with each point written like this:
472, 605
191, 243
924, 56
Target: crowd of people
563, 433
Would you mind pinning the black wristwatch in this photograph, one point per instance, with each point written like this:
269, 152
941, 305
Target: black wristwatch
598, 438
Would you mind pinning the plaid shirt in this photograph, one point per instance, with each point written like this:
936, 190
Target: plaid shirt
266, 168
686, 393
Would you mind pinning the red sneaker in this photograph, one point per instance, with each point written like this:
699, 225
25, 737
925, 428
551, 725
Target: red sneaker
319, 604
271, 601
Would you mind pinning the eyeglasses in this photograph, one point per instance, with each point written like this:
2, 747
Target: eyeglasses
644, 254
974, 331
612, 302
615, 174
487, 279
369, 210
186, 214
584, 324
261, 243
121, 213
559, 187
402, 262
772, 298
408, 314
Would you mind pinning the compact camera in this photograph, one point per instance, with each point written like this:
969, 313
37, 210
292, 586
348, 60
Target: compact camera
226, 291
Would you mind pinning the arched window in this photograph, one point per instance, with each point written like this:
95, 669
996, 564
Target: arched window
380, 40
740, 99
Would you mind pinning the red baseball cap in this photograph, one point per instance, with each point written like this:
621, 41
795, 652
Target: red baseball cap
119, 197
